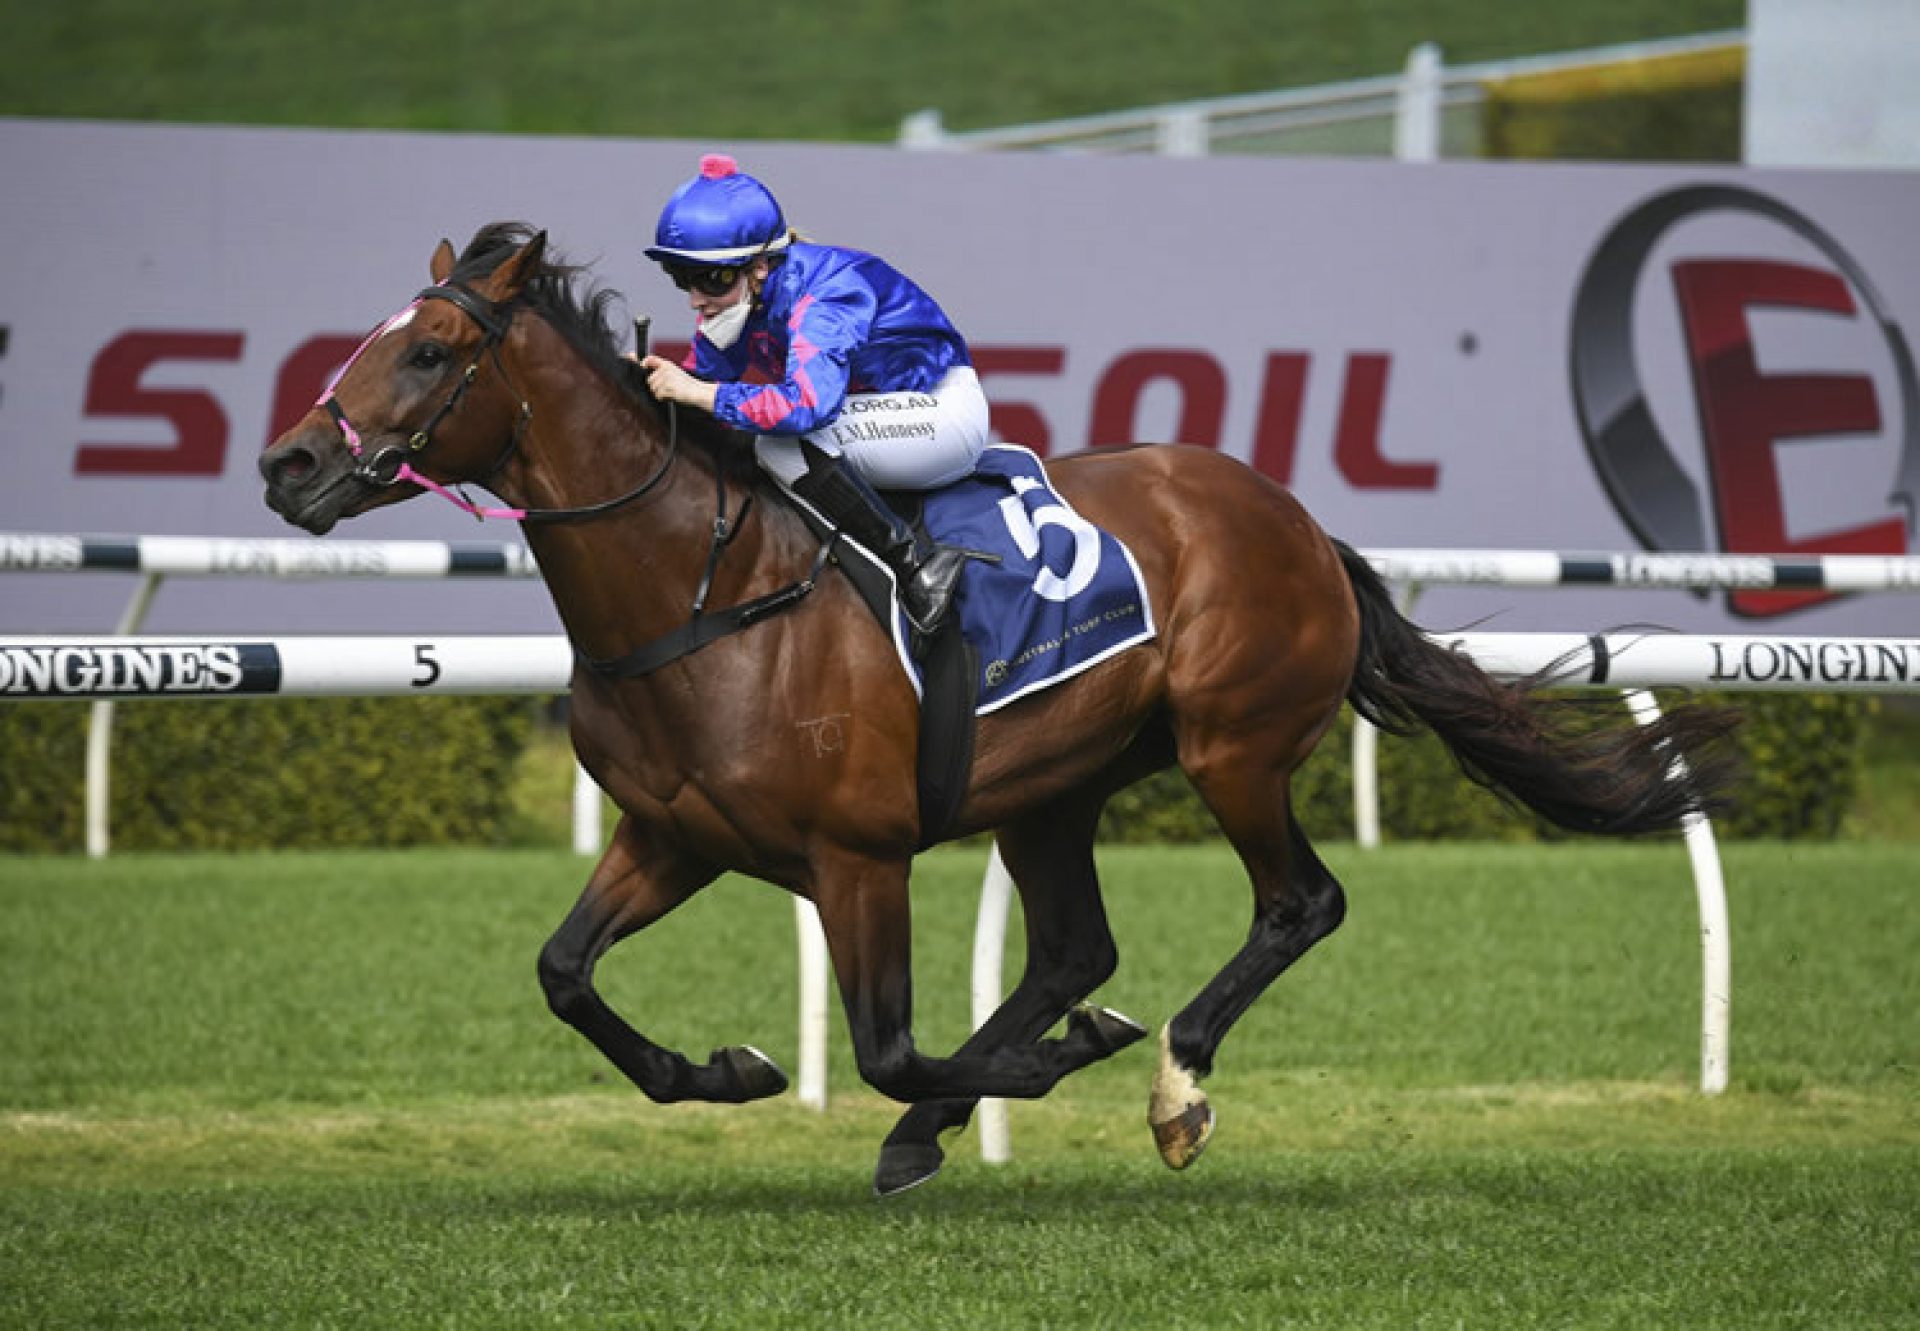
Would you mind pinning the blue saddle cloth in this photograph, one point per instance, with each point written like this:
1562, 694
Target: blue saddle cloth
1064, 596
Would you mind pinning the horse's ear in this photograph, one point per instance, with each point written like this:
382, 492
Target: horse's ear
519, 269
441, 265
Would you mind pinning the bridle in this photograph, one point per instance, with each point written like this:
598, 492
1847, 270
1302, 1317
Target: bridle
391, 464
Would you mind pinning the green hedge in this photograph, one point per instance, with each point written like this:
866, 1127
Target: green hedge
299, 772
1803, 755
382, 772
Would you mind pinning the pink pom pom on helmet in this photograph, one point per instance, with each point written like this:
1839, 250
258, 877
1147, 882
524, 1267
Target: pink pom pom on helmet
721, 216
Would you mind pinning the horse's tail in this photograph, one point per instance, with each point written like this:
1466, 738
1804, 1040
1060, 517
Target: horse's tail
1613, 778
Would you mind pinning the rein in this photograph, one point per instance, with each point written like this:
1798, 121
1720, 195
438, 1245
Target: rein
702, 628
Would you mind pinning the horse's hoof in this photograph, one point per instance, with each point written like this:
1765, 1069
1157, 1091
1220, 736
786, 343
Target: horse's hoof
1110, 1031
906, 1166
1178, 1110
749, 1073
1182, 1137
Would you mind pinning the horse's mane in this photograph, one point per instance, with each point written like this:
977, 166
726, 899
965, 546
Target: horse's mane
564, 295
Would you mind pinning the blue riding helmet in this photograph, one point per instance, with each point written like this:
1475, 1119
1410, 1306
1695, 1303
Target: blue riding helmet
722, 216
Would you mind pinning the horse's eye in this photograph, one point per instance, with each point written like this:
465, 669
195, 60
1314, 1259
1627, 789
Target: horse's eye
428, 356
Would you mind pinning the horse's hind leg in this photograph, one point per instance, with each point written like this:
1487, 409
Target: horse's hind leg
864, 910
633, 885
1070, 953
1297, 902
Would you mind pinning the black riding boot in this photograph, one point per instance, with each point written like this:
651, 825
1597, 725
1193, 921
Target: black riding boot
926, 573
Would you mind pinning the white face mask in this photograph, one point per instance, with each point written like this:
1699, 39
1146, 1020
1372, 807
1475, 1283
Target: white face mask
724, 329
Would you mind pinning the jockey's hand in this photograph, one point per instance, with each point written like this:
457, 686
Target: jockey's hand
670, 383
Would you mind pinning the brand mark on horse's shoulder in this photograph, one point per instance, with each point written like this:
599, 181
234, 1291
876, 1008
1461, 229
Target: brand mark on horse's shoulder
827, 733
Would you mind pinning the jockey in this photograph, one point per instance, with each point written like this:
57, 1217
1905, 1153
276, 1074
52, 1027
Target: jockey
860, 379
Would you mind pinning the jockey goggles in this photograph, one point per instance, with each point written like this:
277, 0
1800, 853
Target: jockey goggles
707, 279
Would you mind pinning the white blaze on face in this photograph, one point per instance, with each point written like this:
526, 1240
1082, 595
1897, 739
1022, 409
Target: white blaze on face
397, 322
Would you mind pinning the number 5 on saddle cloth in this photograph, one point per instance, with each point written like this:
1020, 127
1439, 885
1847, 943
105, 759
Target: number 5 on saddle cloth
1061, 597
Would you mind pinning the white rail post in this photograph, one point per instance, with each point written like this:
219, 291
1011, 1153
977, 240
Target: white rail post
588, 833
923, 129
1366, 783
1716, 944
813, 1004
989, 954
1181, 133
100, 732
1416, 116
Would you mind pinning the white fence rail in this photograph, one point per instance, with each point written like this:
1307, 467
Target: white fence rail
216, 556
250, 666
53, 668
1411, 570
108, 668
1694, 572
66, 667
154, 559
1408, 109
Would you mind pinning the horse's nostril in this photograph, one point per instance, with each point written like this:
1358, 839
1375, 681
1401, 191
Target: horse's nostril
289, 466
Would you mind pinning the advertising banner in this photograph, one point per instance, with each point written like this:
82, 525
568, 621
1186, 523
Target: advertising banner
1479, 355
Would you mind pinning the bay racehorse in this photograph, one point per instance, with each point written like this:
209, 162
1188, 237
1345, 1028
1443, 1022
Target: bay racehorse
506, 374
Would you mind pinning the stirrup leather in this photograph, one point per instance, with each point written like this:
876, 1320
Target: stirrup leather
925, 574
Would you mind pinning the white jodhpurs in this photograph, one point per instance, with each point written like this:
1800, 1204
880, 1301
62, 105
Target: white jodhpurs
896, 441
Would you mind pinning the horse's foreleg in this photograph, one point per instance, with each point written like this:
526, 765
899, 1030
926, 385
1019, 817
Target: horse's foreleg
1070, 953
863, 907
633, 886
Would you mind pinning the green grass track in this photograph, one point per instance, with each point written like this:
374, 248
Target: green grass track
323, 1090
